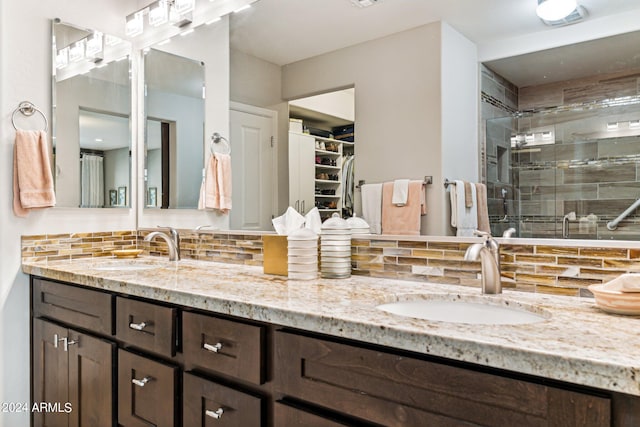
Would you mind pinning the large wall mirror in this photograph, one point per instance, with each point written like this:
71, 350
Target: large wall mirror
175, 114
91, 118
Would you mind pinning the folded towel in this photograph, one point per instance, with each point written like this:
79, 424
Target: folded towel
468, 196
466, 218
215, 191
453, 199
482, 208
32, 177
372, 206
403, 220
400, 192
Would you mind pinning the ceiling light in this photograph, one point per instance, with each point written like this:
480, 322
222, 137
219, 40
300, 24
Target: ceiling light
553, 10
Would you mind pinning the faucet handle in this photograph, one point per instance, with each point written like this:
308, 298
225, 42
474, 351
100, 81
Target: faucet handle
485, 234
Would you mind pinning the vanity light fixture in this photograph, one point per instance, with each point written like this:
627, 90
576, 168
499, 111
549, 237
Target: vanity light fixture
94, 44
158, 13
76, 51
184, 6
62, 58
546, 135
612, 126
529, 137
110, 40
634, 124
135, 24
554, 10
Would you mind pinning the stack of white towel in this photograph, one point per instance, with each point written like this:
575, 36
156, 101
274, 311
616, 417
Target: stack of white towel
469, 207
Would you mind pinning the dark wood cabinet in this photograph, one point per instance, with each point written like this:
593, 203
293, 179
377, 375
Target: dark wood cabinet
395, 390
147, 326
73, 375
177, 366
147, 392
224, 346
208, 403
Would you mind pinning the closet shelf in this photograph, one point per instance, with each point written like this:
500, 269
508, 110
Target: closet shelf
328, 153
327, 181
333, 168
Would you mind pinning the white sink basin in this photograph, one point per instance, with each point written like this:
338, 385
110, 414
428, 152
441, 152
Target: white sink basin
470, 311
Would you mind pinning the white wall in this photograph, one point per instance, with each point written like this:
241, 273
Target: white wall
337, 104
460, 117
25, 74
254, 81
397, 106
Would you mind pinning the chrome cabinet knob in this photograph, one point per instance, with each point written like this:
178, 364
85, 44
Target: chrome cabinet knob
217, 414
138, 326
142, 382
213, 348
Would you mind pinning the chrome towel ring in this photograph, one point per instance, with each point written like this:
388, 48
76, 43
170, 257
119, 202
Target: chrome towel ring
216, 138
28, 109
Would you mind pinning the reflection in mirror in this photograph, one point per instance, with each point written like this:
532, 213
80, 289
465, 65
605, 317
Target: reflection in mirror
91, 118
562, 140
175, 110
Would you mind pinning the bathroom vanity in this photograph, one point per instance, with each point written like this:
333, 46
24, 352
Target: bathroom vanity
200, 344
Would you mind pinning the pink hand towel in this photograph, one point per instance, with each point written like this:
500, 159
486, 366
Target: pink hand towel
403, 220
215, 192
483, 211
32, 177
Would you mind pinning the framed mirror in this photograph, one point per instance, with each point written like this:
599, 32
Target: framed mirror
91, 126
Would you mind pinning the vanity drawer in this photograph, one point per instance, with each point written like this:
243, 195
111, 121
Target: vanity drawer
290, 416
225, 346
147, 392
147, 326
392, 389
84, 308
209, 403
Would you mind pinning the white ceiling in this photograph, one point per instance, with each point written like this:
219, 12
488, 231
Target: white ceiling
285, 31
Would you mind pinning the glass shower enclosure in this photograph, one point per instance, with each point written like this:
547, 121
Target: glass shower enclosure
567, 172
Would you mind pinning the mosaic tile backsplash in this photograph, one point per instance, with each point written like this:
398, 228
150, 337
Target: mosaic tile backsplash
544, 268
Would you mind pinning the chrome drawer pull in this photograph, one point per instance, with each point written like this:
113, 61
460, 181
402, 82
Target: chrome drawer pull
138, 326
214, 348
68, 342
55, 340
217, 414
142, 382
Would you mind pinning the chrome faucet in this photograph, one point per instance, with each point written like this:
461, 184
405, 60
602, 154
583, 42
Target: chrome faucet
489, 254
173, 241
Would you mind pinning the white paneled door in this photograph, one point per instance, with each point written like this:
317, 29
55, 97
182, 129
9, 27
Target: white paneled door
253, 174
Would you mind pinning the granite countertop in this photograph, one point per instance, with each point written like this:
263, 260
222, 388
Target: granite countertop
578, 343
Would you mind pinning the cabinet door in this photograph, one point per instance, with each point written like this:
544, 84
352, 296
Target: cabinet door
147, 392
209, 404
301, 172
91, 381
50, 373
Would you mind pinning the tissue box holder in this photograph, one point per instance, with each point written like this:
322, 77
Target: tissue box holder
275, 255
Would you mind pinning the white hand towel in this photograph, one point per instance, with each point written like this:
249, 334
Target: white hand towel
372, 206
467, 218
400, 192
